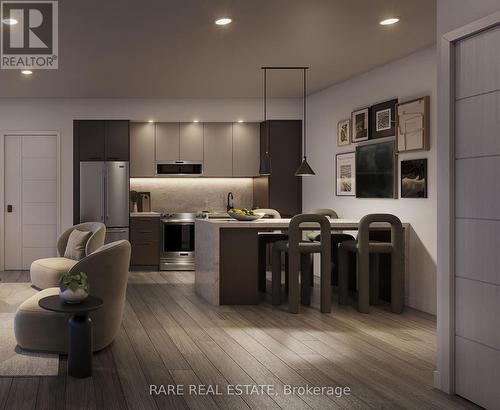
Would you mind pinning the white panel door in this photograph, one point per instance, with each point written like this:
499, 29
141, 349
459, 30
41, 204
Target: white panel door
477, 224
30, 199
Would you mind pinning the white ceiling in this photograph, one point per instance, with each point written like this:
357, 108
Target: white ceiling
172, 49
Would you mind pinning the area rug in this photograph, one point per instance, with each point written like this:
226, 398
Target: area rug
13, 360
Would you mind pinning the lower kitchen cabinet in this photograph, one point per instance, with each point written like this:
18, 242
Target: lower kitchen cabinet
145, 241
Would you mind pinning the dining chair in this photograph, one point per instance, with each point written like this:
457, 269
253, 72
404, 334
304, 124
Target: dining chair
367, 263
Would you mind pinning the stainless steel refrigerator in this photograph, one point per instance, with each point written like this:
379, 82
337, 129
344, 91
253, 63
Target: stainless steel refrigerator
104, 196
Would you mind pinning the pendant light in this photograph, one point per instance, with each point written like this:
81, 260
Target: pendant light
265, 160
304, 168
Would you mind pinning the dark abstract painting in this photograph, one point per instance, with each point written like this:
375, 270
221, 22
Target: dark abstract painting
414, 178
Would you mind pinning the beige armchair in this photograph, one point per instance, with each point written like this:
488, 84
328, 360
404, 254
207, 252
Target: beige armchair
47, 272
107, 269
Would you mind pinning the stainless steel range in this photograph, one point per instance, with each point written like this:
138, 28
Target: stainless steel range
177, 245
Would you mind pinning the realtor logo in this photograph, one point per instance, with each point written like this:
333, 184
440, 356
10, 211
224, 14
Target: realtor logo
29, 35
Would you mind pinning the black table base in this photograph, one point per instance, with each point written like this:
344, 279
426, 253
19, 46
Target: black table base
80, 331
80, 346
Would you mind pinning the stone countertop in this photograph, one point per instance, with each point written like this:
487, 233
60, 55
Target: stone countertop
270, 223
144, 214
280, 223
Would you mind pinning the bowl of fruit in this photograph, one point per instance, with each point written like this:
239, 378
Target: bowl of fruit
244, 214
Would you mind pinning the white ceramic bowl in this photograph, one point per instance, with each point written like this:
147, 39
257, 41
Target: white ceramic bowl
241, 217
73, 297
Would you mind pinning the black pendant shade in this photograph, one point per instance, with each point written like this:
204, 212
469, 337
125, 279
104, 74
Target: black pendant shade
304, 169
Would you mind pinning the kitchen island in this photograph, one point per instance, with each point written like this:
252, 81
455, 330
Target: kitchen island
227, 256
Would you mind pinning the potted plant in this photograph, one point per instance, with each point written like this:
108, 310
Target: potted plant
74, 287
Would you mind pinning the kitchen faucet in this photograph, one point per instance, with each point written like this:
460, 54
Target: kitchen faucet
229, 201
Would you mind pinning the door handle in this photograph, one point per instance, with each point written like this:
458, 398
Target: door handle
9, 208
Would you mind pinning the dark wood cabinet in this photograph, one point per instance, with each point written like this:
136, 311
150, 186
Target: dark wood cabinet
282, 190
145, 241
91, 140
100, 140
116, 140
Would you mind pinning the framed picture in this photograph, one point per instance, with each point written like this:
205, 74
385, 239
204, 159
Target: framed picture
383, 119
376, 170
360, 124
413, 125
345, 174
414, 178
343, 132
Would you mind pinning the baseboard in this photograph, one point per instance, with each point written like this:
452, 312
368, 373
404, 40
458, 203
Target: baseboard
423, 306
437, 380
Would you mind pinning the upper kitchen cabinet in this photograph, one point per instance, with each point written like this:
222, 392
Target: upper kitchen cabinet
167, 141
218, 149
191, 142
282, 190
179, 142
90, 136
142, 149
99, 140
246, 149
116, 140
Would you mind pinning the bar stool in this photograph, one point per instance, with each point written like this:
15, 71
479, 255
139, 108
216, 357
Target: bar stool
264, 239
336, 238
299, 254
330, 213
367, 268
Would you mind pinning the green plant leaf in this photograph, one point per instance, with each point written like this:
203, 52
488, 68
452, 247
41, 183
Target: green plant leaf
74, 280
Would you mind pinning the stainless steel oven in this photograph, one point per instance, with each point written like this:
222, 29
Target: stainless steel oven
177, 244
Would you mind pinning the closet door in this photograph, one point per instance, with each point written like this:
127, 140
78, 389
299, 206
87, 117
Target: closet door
477, 218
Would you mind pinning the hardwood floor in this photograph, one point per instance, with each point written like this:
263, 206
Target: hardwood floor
170, 336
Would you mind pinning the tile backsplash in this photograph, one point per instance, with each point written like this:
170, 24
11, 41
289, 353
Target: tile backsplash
195, 194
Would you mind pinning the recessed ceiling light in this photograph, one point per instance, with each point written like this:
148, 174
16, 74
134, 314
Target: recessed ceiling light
240, 121
196, 120
223, 21
9, 21
26, 72
389, 21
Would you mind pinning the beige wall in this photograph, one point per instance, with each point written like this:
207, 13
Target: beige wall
411, 77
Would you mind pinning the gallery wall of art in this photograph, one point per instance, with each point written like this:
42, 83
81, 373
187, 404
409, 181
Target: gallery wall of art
370, 101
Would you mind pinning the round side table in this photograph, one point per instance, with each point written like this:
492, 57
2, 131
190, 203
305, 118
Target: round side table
80, 331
